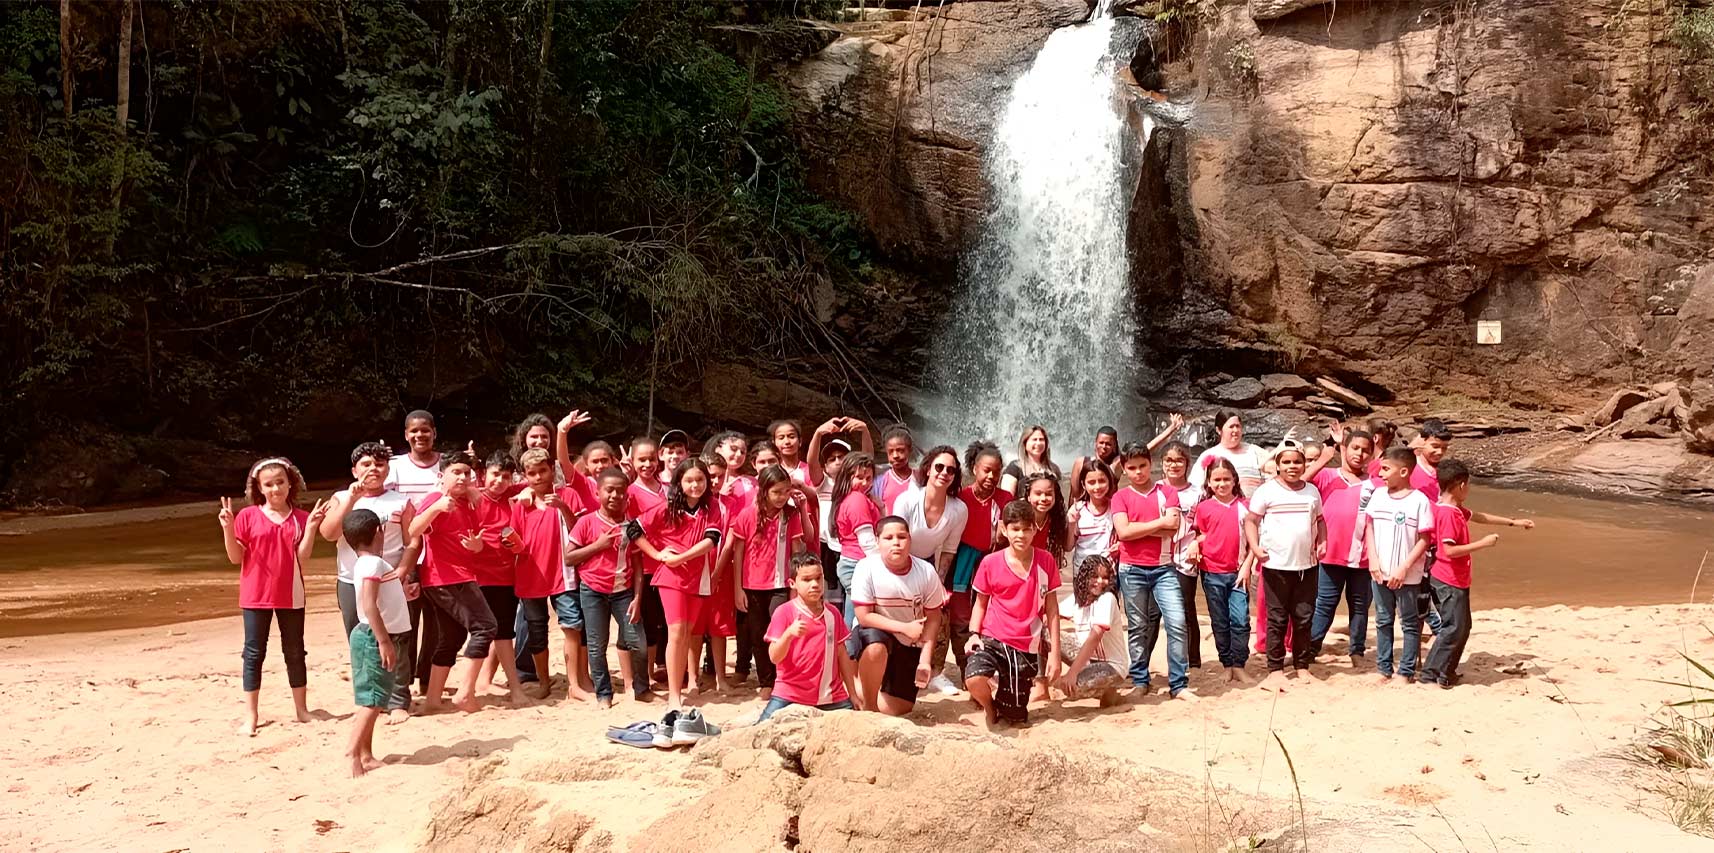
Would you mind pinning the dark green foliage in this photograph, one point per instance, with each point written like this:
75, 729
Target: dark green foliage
351, 195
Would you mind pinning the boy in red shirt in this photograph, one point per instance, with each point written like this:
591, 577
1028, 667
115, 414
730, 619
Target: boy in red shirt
450, 528
1449, 578
543, 517
1014, 597
806, 642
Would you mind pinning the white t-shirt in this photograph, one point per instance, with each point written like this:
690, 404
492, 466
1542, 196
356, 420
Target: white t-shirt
395, 614
1188, 498
1248, 459
1398, 522
825, 508
1105, 612
1289, 520
1094, 532
386, 505
902, 598
404, 475
942, 538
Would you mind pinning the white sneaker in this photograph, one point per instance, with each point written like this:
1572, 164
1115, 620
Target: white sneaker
941, 684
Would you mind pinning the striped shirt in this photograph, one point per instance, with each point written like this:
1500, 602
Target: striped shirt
1289, 519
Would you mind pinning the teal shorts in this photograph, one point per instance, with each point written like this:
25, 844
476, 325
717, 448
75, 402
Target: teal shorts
964, 565
371, 682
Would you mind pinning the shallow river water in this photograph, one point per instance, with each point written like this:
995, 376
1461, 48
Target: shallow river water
1583, 552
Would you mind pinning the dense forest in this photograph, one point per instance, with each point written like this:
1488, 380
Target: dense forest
255, 223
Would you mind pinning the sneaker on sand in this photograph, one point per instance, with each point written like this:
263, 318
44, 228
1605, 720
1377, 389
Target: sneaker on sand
691, 727
941, 684
664, 735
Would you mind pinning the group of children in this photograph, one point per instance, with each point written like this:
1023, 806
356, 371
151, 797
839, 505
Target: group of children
843, 578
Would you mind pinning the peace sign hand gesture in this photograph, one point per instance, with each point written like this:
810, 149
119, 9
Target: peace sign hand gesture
318, 512
225, 514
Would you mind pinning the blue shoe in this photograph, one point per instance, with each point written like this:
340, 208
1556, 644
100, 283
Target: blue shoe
640, 735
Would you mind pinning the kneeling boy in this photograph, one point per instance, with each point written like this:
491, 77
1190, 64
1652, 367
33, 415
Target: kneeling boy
898, 599
806, 642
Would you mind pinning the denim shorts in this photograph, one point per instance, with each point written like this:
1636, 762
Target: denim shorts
567, 610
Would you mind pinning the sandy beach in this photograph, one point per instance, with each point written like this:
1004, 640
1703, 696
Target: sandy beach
132, 730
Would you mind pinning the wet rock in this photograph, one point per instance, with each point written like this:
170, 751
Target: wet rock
1238, 392
741, 397
1263, 10
1698, 423
1343, 395
1288, 385
1617, 405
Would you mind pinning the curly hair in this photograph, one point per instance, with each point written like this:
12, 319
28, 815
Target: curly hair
253, 483
523, 432
1083, 581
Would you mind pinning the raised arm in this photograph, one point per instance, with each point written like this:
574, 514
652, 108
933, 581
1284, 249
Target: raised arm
1174, 423
812, 454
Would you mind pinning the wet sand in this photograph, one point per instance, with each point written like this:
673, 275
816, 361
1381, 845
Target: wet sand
163, 565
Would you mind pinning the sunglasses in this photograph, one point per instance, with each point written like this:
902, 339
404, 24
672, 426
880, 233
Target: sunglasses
943, 468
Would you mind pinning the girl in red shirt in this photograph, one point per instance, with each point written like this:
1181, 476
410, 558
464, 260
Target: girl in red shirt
269, 540
680, 537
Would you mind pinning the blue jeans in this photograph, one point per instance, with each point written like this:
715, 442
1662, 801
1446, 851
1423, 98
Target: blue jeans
1229, 616
1358, 589
1403, 600
846, 569
1136, 583
521, 639
777, 703
598, 608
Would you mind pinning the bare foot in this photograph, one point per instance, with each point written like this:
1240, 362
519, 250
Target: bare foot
538, 690
1187, 695
303, 715
1240, 676
578, 694
467, 704
1290, 673
520, 699
721, 685
370, 762
397, 716
358, 768
1308, 675
430, 708
1383, 680
248, 728
1275, 682
1356, 661
646, 697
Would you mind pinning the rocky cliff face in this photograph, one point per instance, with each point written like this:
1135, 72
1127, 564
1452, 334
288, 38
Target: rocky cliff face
1358, 183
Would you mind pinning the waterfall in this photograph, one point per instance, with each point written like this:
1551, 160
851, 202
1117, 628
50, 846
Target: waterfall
1042, 328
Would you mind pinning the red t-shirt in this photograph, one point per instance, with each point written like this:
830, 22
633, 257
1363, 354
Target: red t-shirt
809, 673
1426, 479
1451, 527
1342, 509
888, 486
494, 564
642, 500
983, 519
855, 512
1014, 614
268, 577
1329, 480
445, 560
1221, 526
695, 576
541, 569
1145, 506
763, 568
603, 570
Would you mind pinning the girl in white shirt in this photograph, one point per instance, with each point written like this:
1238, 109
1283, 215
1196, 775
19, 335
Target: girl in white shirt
1091, 526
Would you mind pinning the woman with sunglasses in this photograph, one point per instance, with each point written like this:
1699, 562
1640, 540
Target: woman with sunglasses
936, 517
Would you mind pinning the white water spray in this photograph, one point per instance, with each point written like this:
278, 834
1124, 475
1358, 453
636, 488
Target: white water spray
1042, 328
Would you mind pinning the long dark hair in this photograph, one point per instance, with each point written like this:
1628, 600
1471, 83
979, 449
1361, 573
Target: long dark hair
842, 480
927, 462
523, 431
678, 505
1218, 462
1091, 463
1056, 543
766, 479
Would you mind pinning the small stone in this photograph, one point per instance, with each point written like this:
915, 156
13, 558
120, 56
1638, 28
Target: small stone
1287, 384
1617, 405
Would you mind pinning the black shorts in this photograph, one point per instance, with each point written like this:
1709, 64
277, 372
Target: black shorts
503, 603
1013, 672
900, 679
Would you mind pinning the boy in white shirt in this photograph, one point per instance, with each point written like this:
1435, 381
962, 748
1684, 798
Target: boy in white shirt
898, 599
1287, 534
378, 659
1398, 525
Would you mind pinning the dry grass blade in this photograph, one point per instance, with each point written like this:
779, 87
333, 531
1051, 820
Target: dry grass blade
1297, 788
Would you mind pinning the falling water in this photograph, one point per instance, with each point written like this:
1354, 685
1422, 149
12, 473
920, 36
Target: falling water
1043, 329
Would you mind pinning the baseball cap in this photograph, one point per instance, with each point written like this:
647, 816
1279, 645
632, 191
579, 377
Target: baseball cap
675, 436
